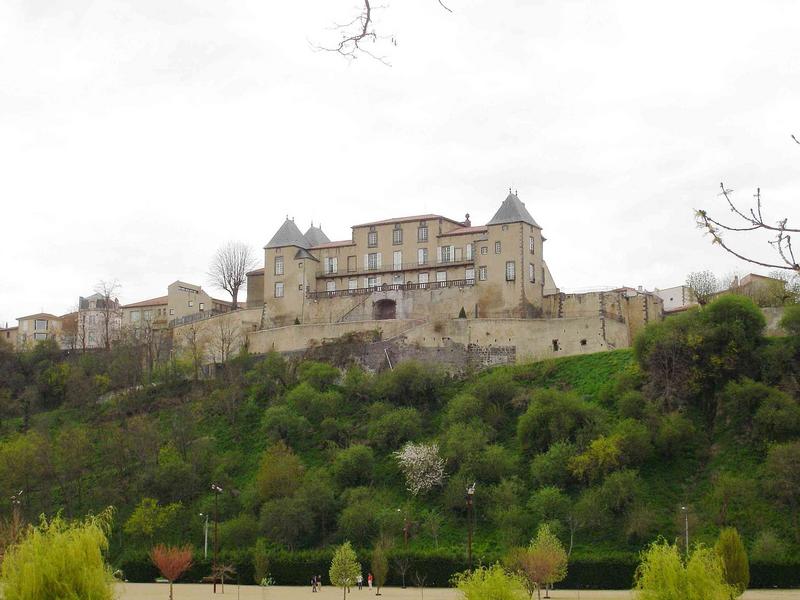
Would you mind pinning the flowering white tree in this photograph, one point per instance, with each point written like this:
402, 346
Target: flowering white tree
422, 466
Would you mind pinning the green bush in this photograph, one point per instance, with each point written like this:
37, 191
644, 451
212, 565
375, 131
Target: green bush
735, 568
552, 467
392, 429
768, 548
319, 375
790, 322
57, 559
554, 416
490, 583
282, 423
354, 466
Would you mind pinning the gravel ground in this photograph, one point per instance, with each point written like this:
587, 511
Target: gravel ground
156, 591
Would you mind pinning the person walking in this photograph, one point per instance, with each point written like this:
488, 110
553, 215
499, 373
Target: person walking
369, 580
313, 583
360, 581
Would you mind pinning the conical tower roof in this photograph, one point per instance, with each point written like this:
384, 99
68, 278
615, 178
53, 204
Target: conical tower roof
316, 236
512, 210
288, 235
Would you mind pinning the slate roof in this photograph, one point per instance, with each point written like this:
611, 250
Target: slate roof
288, 235
464, 231
512, 210
428, 217
256, 271
42, 315
338, 244
316, 236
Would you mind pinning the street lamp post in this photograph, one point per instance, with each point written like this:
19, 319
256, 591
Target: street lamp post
406, 528
469, 498
217, 491
686, 529
205, 536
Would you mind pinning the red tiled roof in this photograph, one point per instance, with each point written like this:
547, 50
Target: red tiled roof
256, 271
151, 302
406, 219
335, 244
465, 230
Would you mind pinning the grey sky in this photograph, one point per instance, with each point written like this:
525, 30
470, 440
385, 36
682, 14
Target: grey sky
137, 136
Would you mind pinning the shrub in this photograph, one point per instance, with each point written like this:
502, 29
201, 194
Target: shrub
778, 417
731, 552
412, 383
490, 583
601, 457
354, 466
238, 532
319, 375
552, 467
390, 430
279, 473
285, 521
462, 408
463, 442
549, 504
768, 547
281, 423
790, 322
494, 463
57, 559
662, 575
675, 433
554, 416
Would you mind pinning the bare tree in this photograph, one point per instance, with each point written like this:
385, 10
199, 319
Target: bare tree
195, 342
109, 309
703, 285
748, 220
229, 268
359, 31
224, 338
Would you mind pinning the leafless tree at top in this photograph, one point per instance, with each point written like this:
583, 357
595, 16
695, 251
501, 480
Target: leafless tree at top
359, 37
748, 219
109, 307
229, 268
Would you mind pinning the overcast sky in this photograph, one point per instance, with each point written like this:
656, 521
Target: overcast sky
136, 136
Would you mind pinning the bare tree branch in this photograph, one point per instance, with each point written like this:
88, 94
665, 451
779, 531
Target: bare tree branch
749, 220
228, 270
361, 30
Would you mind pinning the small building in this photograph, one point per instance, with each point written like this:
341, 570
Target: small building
37, 328
150, 313
676, 298
99, 321
187, 302
9, 335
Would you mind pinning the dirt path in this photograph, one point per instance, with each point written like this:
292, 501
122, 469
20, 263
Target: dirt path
156, 591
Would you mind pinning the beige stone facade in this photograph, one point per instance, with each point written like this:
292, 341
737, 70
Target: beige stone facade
499, 267
36, 328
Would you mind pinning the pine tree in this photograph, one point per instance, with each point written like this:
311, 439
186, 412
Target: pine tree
731, 552
344, 568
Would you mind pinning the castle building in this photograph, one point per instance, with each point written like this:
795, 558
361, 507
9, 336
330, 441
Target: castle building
409, 267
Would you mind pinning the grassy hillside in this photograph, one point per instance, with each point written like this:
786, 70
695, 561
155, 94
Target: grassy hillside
605, 447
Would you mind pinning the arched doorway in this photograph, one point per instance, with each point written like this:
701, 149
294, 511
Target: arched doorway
384, 309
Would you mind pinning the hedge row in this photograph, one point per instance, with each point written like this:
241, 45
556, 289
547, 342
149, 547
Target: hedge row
297, 568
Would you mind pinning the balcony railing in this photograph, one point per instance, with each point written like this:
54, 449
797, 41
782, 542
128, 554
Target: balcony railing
393, 287
390, 268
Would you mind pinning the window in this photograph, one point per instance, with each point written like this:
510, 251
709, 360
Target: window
135, 316
191, 303
351, 264
484, 250
90, 337
511, 271
40, 325
497, 248
556, 346
372, 261
332, 264
278, 265
147, 315
372, 239
532, 272
532, 245
372, 281
352, 283
397, 235
482, 273
202, 306
422, 233
422, 256
330, 285
397, 259
445, 254
279, 289
43, 336
441, 276
468, 251
422, 279
397, 279
469, 273
171, 311
90, 319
